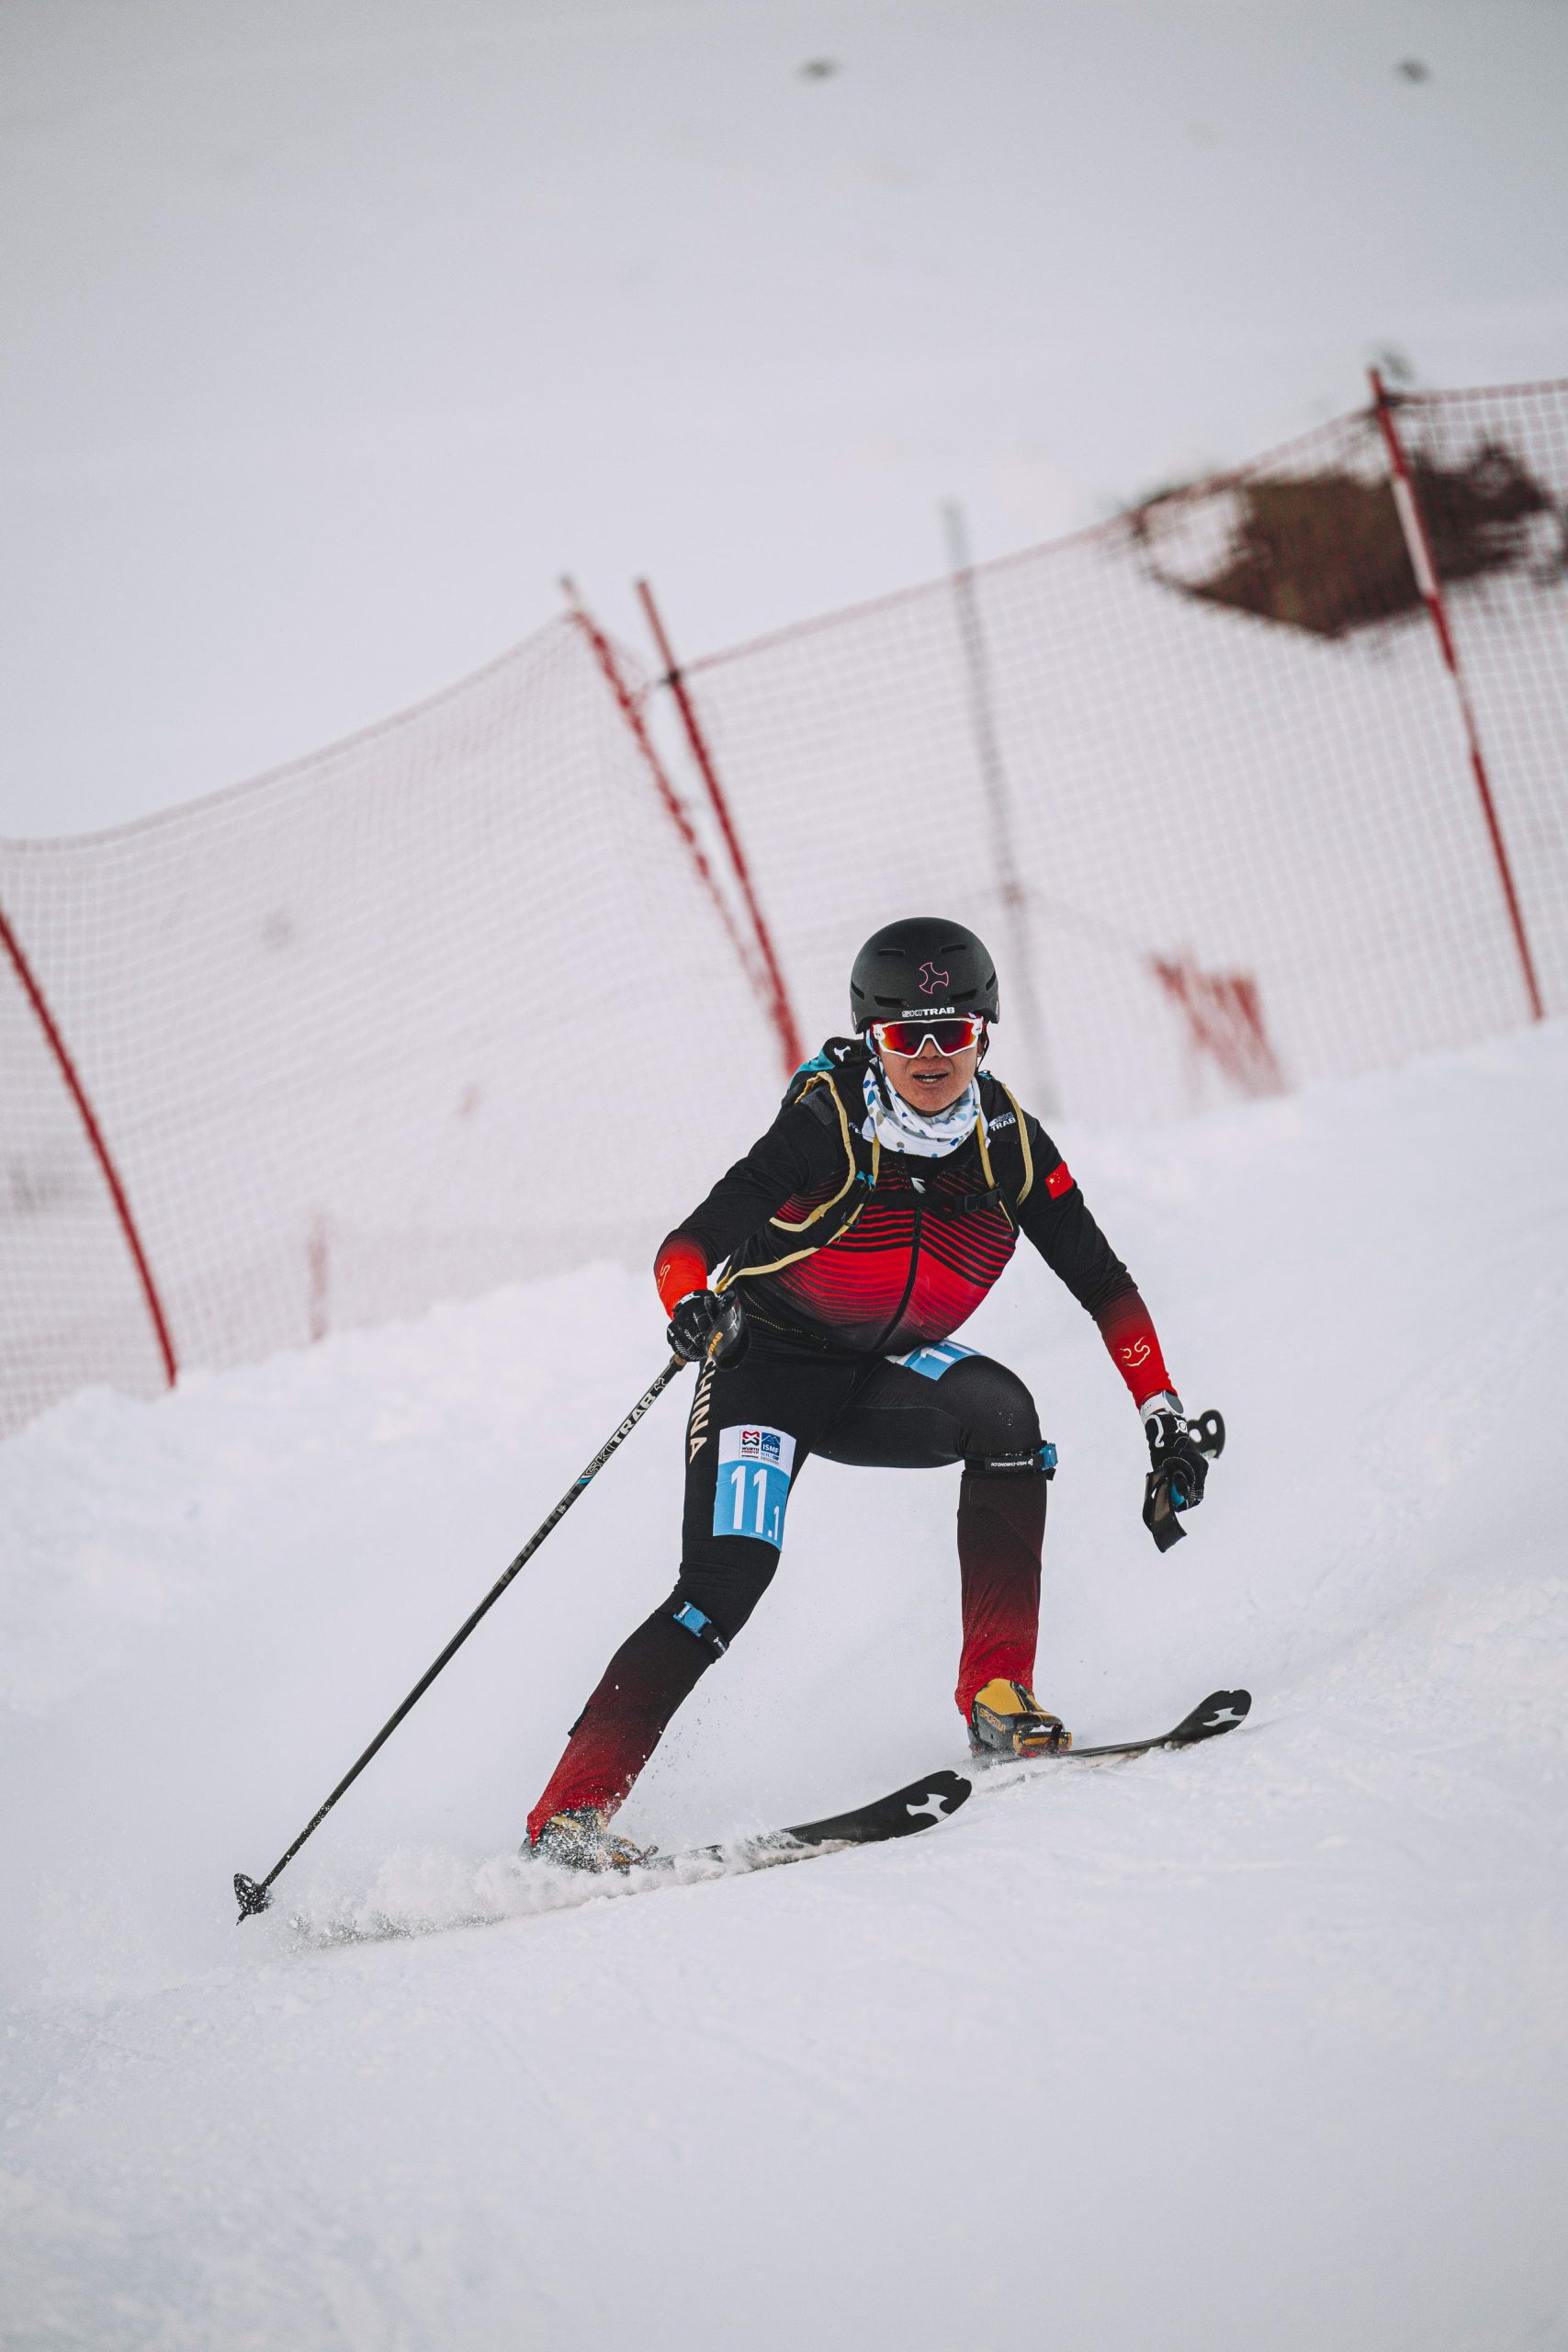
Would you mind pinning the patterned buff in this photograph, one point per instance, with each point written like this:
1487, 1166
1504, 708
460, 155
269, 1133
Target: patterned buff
898, 1126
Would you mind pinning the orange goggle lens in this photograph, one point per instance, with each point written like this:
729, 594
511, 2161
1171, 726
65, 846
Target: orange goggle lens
947, 1036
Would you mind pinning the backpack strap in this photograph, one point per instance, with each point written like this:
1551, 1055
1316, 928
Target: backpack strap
828, 1088
1025, 1185
818, 1087
821, 1088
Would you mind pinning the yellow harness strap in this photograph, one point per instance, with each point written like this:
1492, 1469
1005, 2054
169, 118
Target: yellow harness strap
1027, 1185
788, 1224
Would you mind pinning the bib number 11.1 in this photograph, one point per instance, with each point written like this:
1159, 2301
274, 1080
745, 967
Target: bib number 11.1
755, 1466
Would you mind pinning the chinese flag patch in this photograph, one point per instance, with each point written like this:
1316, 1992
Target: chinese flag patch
1059, 1180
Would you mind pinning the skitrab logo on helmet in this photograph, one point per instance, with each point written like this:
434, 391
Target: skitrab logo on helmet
931, 980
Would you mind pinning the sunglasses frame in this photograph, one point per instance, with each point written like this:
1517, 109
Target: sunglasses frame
976, 1021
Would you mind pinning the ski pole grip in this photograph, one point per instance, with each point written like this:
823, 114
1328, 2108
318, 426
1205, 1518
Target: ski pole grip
1159, 1511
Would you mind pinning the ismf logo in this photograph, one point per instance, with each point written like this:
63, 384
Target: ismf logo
759, 1445
931, 980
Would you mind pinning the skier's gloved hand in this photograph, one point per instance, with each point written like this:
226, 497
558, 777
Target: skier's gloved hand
1180, 1452
1174, 1450
704, 1314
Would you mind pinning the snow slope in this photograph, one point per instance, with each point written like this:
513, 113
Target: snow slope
1262, 2044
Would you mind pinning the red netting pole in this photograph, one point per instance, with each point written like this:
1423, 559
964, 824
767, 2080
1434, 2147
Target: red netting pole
101, 1149
780, 1007
1412, 523
605, 656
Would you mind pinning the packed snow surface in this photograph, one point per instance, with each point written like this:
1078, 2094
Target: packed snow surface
1259, 2044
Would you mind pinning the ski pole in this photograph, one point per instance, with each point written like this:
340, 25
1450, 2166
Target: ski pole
254, 1894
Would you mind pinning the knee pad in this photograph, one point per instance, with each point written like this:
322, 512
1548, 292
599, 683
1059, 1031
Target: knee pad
995, 1411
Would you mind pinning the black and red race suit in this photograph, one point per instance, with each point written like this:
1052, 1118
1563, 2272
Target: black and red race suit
918, 1243
855, 1265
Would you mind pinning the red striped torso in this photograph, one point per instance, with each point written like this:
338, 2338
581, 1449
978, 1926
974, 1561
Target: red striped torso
903, 1275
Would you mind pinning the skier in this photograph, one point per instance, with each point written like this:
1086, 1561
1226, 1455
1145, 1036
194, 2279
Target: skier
855, 1237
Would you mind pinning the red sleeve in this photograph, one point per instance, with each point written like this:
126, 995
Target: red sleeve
1128, 1331
679, 1269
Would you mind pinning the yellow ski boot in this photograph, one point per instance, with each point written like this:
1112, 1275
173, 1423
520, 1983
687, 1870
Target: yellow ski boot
1006, 1720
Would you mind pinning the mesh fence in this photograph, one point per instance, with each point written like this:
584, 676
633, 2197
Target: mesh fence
1199, 773
397, 1023
406, 1020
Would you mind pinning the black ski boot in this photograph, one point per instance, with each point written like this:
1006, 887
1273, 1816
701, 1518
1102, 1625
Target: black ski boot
1006, 1720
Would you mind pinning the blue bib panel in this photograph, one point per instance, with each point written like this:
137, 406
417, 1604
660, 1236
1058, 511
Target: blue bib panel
755, 1466
932, 1363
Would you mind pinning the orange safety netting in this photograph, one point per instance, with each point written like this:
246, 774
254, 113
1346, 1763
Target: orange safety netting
1199, 774
421, 1015
398, 1023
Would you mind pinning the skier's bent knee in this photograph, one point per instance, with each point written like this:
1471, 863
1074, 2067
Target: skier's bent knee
995, 1409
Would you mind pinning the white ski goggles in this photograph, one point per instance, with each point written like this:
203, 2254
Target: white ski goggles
954, 1035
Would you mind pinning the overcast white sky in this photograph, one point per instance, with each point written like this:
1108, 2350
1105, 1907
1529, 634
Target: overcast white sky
333, 329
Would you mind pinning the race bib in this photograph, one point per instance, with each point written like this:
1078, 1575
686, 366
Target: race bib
932, 1363
755, 1466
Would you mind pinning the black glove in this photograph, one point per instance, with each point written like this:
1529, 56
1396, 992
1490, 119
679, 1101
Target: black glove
699, 1317
1180, 1452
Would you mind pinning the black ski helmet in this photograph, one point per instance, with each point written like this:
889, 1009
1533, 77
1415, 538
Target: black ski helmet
920, 968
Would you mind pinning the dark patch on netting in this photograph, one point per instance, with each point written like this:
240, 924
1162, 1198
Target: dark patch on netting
1325, 552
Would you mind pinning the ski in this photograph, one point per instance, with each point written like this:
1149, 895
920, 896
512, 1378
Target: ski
903, 1813
1220, 1711
918, 1806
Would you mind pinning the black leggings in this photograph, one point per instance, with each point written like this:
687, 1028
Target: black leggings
753, 1426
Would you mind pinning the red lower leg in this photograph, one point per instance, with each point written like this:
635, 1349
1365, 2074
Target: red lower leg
623, 1723
1001, 1525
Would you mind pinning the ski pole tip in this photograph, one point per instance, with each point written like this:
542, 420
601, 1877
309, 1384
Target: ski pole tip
251, 1898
